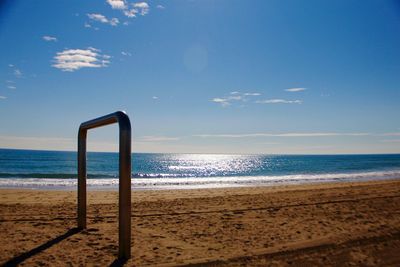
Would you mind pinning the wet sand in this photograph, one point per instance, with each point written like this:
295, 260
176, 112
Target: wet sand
345, 224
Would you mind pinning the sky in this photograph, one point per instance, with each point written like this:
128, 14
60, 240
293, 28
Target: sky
270, 77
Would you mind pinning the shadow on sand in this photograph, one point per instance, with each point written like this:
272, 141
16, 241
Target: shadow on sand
24, 256
118, 262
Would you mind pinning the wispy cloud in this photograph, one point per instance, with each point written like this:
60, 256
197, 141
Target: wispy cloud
12, 87
246, 97
321, 134
223, 101
270, 143
160, 7
234, 96
251, 94
2, 97
279, 101
390, 141
48, 38
51, 143
17, 72
103, 19
89, 26
155, 97
126, 54
74, 59
297, 89
151, 138
117, 4
391, 134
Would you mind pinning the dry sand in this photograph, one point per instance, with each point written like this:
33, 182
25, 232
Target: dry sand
341, 224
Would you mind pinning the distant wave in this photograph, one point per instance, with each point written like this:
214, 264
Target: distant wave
90, 175
52, 175
196, 182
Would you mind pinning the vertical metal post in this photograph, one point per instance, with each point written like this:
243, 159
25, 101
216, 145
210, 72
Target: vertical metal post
82, 179
125, 168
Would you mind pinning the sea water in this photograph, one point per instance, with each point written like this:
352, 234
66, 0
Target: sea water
58, 169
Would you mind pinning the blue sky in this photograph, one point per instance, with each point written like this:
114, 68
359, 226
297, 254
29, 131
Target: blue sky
281, 77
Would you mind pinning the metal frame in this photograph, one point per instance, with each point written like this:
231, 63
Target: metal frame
120, 117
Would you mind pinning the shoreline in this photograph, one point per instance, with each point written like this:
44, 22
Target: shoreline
183, 183
318, 224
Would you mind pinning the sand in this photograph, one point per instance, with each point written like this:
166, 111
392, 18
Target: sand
342, 224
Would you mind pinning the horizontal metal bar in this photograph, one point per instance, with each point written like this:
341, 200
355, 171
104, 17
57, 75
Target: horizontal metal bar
119, 116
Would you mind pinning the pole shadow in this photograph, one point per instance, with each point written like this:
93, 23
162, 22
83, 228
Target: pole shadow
24, 256
118, 263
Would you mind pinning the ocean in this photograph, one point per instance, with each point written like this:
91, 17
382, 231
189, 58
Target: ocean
58, 169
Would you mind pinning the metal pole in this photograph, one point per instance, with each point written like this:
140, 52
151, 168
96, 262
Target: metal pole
82, 178
125, 168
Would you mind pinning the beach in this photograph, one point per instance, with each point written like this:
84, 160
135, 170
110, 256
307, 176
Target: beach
319, 224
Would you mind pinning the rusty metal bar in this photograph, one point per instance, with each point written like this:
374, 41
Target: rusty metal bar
120, 117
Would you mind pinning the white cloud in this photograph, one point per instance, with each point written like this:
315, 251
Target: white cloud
232, 97
114, 22
98, 17
155, 97
142, 8
117, 4
279, 101
103, 19
49, 38
279, 135
245, 97
11, 87
298, 89
218, 100
223, 101
2, 97
160, 7
130, 13
236, 97
150, 138
131, 9
252, 94
126, 54
94, 49
74, 59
